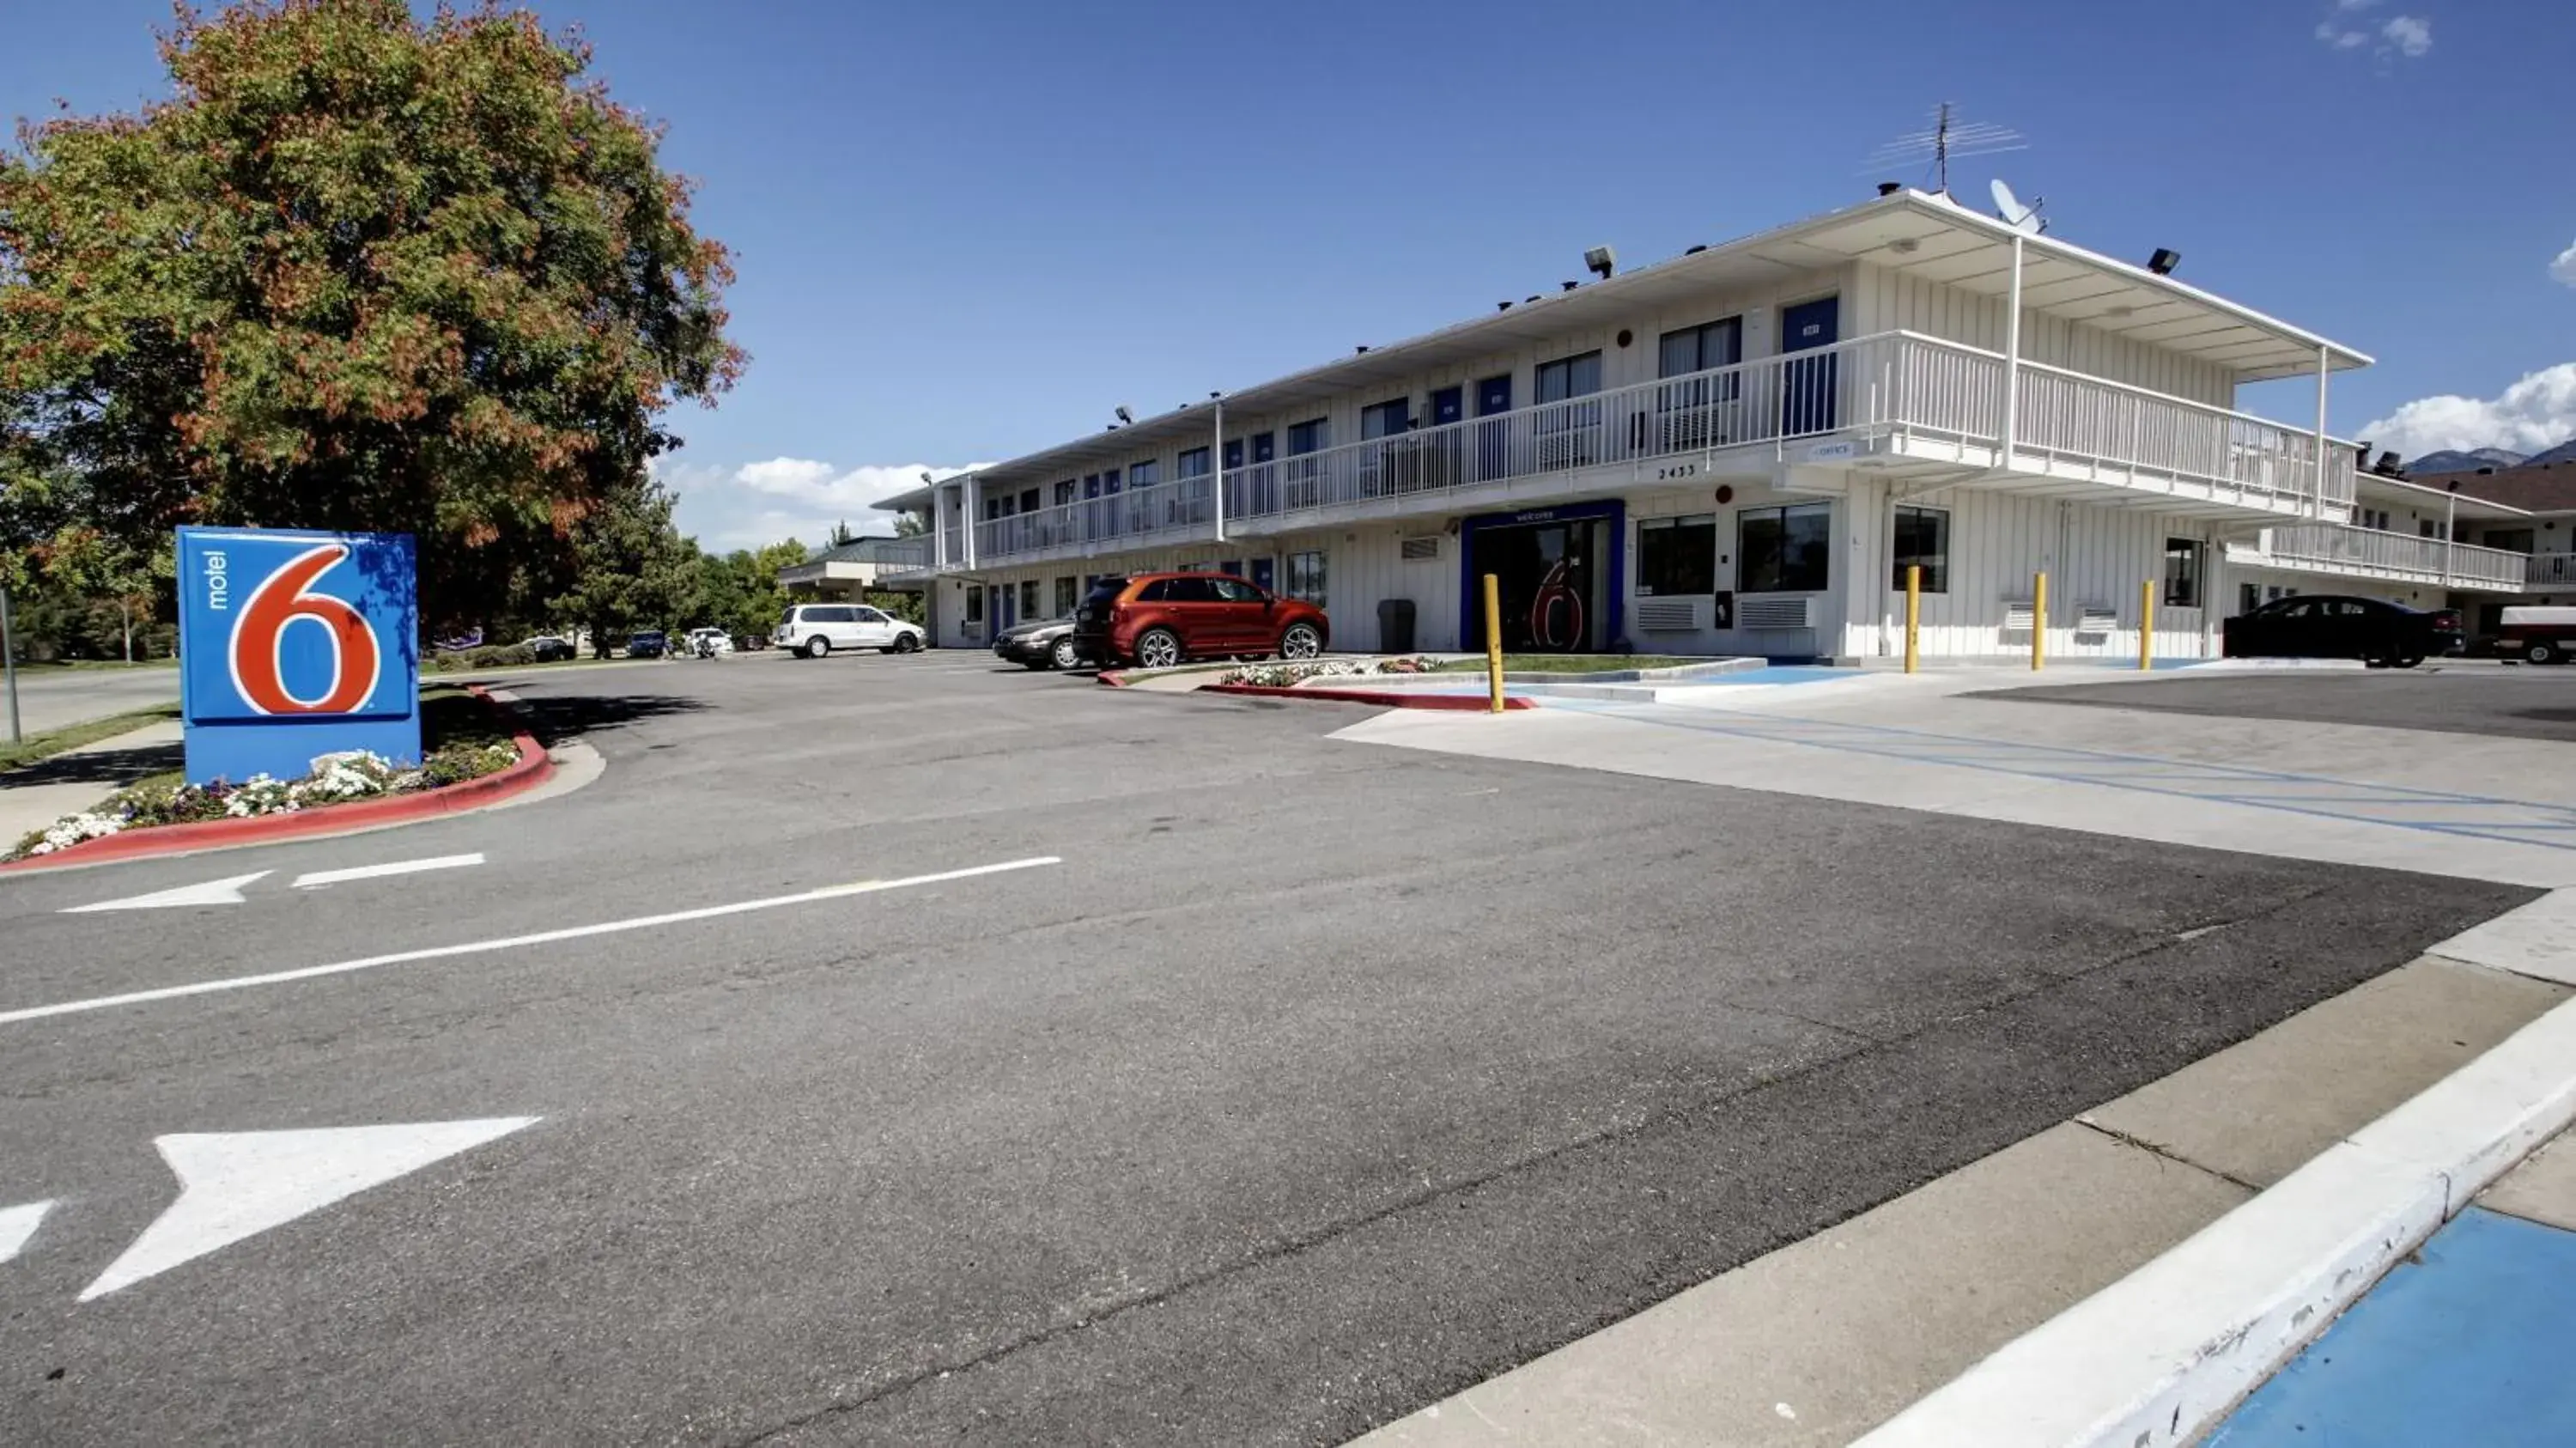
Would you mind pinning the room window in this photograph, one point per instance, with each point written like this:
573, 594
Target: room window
1923, 540
1144, 475
974, 604
1029, 599
2182, 573
1784, 550
1064, 597
1697, 349
1309, 437
1677, 557
1569, 377
1306, 577
1385, 419
1194, 463
1028, 500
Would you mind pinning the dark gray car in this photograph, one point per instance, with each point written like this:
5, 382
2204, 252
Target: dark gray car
1045, 644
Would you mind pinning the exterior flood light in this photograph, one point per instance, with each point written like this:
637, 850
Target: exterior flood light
1601, 261
2164, 261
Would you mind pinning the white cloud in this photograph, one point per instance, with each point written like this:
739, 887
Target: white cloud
759, 503
2412, 36
2340, 38
2354, 4
2533, 415
2564, 269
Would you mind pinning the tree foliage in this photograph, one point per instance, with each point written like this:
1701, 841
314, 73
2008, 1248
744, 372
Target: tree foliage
361, 270
631, 569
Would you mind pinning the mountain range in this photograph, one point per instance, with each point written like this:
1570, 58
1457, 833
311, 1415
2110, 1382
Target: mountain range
2453, 460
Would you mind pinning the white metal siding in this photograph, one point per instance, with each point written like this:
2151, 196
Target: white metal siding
1886, 301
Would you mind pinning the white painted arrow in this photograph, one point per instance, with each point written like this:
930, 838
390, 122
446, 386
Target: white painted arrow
213, 892
239, 1184
17, 1224
315, 879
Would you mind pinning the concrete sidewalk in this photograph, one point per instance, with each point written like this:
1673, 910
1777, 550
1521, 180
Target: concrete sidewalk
36, 795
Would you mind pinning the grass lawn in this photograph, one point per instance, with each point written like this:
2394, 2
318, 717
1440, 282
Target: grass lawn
73, 736
1568, 663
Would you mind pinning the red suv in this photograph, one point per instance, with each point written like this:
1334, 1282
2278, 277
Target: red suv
1156, 620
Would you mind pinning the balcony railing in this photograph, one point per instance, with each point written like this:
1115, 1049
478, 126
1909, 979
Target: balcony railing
2372, 551
2550, 570
1893, 385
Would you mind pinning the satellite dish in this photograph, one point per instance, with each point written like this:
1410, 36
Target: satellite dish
2015, 215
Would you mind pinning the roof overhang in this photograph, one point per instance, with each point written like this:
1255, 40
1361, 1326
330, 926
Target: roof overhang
1911, 232
2467, 505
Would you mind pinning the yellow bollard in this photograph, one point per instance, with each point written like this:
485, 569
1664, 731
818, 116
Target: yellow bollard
2147, 624
2038, 620
1913, 616
1494, 644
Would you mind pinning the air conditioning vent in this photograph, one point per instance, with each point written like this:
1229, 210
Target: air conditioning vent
1418, 550
1672, 615
1774, 612
2094, 618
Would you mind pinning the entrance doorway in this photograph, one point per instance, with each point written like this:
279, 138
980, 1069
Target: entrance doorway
1554, 570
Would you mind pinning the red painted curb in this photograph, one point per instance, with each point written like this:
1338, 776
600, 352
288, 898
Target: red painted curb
1391, 698
533, 769
1114, 678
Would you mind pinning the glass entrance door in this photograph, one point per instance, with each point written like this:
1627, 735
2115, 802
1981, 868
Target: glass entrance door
1550, 577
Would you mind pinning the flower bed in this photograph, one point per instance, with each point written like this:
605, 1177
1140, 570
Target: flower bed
336, 779
1286, 675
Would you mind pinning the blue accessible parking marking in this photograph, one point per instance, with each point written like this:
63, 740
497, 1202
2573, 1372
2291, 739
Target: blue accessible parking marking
2472, 1346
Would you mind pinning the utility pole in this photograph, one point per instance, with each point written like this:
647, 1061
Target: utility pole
9, 663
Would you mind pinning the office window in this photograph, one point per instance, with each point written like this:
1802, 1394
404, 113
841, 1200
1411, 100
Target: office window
1308, 437
1697, 349
1306, 577
1194, 463
1385, 419
1569, 377
1064, 492
1784, 550
1064, 596
2182, 572
974, 604
1029, 600
1923, 539
1677, 557
1144, 475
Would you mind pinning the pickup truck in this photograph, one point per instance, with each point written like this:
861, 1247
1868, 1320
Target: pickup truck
2537, 635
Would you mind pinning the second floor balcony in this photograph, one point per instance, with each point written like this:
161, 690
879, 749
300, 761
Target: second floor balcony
2345, 551
1898, 400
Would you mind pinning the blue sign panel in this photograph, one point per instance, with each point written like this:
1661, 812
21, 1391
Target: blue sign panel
294, 645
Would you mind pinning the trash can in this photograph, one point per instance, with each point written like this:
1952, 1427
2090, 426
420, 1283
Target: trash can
1395, 626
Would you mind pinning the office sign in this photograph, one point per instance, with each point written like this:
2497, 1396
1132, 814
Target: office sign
294, 645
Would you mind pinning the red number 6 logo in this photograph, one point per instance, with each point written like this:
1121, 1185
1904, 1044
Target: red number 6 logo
280, 600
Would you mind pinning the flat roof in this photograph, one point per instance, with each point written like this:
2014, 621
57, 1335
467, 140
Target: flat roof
1914, 232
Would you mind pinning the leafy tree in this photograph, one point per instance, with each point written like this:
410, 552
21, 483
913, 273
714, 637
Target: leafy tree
362, 269
910, 525
632, 568
841, 534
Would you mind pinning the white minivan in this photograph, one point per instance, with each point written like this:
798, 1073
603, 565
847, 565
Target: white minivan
815, 629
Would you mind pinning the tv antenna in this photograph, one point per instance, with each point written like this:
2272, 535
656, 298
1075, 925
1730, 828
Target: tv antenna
2025, 219
1949, 139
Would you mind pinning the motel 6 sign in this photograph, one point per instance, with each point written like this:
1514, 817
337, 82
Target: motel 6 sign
294, 645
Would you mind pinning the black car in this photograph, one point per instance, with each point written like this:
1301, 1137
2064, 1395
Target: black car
650, 644
551, 649
2328, 626
1045, 644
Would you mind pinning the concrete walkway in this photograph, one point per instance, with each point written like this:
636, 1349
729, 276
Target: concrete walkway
38, 794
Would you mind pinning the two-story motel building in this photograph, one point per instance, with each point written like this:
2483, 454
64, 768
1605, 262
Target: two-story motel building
1740, 451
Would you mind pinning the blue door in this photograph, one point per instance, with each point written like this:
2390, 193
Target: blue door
1493, 439
1265, 478
1448, 404
1808, 384
1264, 574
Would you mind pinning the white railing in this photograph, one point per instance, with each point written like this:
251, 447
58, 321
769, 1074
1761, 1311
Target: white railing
2372, 550
1138, 513
2073, 417
1894, 384
904, 555
2550, 570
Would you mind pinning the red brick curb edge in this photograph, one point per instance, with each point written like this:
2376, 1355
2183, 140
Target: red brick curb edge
533, 769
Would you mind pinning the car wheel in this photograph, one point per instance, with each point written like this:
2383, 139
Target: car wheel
1063, 656
907, 642
1158, 648
1300, 641
2541, 654
818, 647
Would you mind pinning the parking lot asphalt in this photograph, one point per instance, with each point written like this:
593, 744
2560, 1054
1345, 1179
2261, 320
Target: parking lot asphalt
2522, 702
1316, 1081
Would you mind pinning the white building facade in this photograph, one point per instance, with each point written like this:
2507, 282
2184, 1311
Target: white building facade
1737, 451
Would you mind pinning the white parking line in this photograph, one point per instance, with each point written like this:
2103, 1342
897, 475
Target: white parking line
481, 947
314, 878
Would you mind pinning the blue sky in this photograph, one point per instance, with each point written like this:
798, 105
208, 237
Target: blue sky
970, 229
